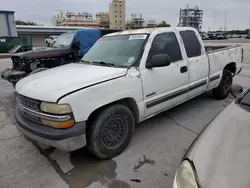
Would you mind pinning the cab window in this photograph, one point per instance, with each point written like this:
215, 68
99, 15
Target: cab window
166, 43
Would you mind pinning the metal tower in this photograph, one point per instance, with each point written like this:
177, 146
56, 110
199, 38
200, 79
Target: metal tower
191, 17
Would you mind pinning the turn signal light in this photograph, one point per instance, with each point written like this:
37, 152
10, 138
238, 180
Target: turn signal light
58, 125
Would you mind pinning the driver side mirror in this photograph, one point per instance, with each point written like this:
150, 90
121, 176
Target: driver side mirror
76, 45
160, 60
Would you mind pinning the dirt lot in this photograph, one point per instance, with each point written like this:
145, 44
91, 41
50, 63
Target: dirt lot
150, 160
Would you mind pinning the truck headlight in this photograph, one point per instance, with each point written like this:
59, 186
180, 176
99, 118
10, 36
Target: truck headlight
54, 108
185, 176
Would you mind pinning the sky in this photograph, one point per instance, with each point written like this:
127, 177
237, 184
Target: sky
235, 13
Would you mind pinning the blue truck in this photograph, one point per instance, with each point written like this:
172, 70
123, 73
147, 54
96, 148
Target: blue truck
69, 48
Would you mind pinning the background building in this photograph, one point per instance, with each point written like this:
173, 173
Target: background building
117, 15
7, 23
71, 19
102, 18
191, 17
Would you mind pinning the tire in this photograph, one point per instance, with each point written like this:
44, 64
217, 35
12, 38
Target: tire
110, 132
223, 90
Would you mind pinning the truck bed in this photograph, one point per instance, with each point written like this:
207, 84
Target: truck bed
210, 48
220, 56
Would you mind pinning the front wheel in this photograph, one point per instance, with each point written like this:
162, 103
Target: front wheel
110, 132
223, 90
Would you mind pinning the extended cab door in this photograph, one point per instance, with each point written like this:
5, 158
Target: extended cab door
165, 86
197, 62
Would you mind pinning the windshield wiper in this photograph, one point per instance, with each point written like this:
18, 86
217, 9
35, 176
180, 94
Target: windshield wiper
104, 63
84, 61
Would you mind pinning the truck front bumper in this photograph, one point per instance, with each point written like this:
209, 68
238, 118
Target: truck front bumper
64, 139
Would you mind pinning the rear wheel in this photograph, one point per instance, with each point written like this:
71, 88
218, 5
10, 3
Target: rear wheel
223, 90
110, 132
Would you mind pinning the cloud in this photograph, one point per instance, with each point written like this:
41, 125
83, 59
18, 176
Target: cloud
238, 14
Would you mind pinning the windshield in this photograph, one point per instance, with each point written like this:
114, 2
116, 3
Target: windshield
64, 39
120, 51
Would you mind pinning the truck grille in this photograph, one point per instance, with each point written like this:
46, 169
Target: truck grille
29, 103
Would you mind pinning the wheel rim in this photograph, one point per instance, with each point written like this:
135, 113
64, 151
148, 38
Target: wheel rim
114, 131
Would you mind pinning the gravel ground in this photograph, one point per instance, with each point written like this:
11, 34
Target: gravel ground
150, 160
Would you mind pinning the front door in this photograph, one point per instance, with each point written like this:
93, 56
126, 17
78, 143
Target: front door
165, 86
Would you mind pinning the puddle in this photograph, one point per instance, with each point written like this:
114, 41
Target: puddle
89, 169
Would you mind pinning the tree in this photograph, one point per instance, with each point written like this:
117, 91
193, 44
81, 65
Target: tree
163, 24
20, 22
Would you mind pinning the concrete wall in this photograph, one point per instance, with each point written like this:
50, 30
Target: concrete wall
4, 30
38, 40
12, 25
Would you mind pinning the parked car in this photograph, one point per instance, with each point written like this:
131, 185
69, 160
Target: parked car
125, 78
69, 47
219, 157
235, 36
247, 37
51, 40
212, 36
221, 36
205, 37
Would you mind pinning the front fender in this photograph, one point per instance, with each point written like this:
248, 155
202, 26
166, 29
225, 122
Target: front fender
86, 101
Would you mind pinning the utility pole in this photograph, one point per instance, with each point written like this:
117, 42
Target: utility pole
225, 24
220, 29
215, 17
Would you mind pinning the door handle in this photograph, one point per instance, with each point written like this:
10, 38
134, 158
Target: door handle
184, 69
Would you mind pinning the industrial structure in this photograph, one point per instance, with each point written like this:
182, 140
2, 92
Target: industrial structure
151, 23
137, 21
102, 18
191, 17
71, 19
117, 14
7, 23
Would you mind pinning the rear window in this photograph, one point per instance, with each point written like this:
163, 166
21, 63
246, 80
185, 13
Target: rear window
191, 43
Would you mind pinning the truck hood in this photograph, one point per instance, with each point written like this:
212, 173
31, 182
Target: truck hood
44, 53
221, 153
54, 83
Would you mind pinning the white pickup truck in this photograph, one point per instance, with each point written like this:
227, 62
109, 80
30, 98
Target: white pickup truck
125, 78
51, 40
